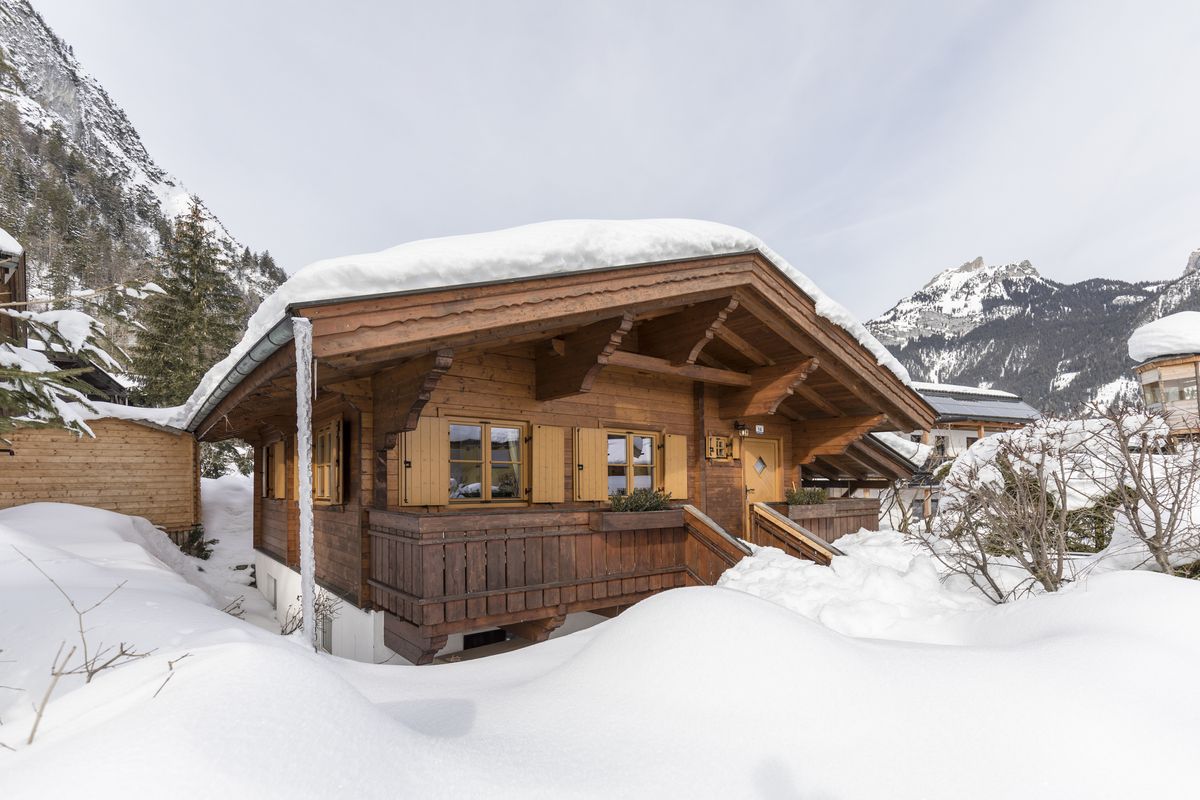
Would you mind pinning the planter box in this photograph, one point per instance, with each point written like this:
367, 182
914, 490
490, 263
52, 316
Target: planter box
635, 520
835, 518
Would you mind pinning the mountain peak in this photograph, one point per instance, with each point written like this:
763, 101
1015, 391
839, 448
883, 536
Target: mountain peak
1193, 264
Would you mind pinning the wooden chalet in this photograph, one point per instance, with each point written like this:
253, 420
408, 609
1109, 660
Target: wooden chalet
13, 285
467, 438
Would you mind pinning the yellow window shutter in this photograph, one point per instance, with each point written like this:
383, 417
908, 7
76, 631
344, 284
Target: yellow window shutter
675, 466
279, 465
548, 482
426, 464
591, 464
335, 464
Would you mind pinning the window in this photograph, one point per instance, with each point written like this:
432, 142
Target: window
940, 444
971, 440
486, 461
270, 590
631, 461
327, 462
274, 471
325, 624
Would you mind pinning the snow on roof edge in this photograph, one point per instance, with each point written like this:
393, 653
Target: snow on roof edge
545, 248
954, 388
10, 245
1172, 335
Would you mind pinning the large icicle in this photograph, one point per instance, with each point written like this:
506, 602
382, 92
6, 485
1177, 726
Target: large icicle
302, 331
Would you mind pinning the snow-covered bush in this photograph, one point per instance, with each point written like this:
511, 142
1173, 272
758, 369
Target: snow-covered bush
34, 392
1019, 506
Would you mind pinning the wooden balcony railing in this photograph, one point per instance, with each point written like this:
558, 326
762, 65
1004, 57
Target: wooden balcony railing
437, 574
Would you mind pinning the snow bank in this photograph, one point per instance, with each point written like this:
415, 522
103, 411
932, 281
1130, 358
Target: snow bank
881, 582
701, 692
541, 249
9, 245
1172, 335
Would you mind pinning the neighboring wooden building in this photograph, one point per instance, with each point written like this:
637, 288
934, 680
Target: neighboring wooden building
13, 284
1168, 352
467, 437
132, 467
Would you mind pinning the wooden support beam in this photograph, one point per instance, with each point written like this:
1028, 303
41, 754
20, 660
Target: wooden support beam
535, 630
769, 386
409, 641
744, 347
693, 372
813, 396
827, 437
679, 337
572, 368
404, 390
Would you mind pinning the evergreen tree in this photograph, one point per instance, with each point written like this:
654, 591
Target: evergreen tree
194, 323
269, 268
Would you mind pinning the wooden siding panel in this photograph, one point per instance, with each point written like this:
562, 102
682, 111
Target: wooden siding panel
127, 468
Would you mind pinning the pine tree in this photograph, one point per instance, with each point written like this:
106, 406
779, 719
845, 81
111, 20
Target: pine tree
269, 268
194, 323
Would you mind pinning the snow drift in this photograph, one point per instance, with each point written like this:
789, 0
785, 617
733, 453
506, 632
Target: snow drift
705, 692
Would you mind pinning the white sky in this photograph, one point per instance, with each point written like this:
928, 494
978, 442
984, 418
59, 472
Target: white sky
871, 143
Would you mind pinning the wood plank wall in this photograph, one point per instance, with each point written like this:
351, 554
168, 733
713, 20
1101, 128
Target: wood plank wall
464, 572
128, 468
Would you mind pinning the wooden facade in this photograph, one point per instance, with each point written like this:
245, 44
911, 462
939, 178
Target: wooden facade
480, 430
129, 467
13, 294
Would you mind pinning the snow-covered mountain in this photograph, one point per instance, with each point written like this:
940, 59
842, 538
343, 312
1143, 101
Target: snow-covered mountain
1058, 345
64, 134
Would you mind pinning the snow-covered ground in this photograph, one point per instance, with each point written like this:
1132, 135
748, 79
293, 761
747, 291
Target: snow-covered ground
867, 679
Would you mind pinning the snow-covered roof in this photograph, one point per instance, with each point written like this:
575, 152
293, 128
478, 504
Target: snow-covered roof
953, 388
545, 248
1177, 334
8, 245
968, 403
916, 453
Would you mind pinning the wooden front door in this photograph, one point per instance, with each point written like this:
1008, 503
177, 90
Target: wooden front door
761, 475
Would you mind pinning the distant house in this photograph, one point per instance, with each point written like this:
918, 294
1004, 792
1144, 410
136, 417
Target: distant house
965, 414
481, 398
134, 463
13, 283
1168, 369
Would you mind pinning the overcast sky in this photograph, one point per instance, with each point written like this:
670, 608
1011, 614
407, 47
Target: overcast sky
872, 144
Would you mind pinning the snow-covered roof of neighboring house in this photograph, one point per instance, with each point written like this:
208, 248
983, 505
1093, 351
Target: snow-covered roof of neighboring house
916, 453
1177, 334
159, 417
546, 248
955, 389
8, 245
968, 403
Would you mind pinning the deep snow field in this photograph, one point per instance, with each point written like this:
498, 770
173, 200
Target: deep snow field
867, 679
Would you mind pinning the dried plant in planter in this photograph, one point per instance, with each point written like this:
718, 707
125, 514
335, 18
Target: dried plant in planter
807, 496
641, 500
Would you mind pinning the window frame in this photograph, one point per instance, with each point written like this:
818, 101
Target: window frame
657, 438
485, 463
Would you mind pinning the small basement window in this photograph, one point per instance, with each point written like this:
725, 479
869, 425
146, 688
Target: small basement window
484, 638
325, 624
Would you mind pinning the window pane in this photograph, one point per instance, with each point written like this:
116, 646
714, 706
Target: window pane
616, 449
617, 481
643, 449
466, 443
506, 444
643, 477
505, 482
465, 481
